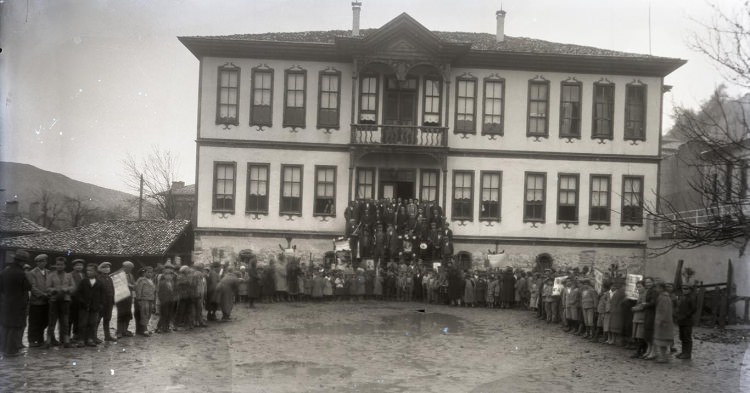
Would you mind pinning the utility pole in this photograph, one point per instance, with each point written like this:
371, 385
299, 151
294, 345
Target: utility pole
140, 201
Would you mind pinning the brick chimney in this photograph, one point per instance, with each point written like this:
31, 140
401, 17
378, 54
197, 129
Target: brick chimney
11, 207
500, 26
356, 7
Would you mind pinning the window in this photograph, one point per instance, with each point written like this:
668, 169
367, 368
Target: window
291, 190
224, 174
429, 187
567, 198
294, 98
492, 112
489, 209
431, 107
635, 112
600, 196
632, 200
538, 109
325, 191
228, 95
466, 97
604, 109
262, 97
329, 99
365, 183
368, 100
463, 195
533, 207
257, 188
570, 110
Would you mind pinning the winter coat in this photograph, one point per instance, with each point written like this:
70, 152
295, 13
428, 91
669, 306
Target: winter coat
616, 315
686, 307
38, 281
280, 277
14, 296
469, 291
663, 325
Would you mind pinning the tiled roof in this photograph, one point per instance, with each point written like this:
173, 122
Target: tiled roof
112, 238
15, 223
187, 190
478, 41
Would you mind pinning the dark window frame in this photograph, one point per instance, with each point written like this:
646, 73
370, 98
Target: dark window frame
315, 192
543, 204
235, 121
422, 186
372, 185
482, 187
501, 126
439, 112
473, 129
376, 95
470, 216
254, 121
529, 101
608, 221
214, 208
560, 190
267, 167
287, 109
575, 116
337, 124
282, 211
629, 134
596, 133
624, 221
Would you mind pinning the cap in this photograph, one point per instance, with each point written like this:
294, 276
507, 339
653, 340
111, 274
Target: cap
169, 265
79, 260
41, 257
104, 264
128, 263
61, 259
22, 256
184, 269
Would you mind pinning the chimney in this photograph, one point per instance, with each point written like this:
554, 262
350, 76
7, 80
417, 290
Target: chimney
11, 207
356, 7
500, 26
176, 185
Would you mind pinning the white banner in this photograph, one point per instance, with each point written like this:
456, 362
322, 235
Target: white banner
557, 288
120, 280
630, 289
598, 280
496, 260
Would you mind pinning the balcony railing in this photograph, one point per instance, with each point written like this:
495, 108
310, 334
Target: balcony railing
665, 227
398, 135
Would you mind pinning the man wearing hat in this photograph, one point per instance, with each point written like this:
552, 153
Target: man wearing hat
39, 302
90, 295
60, 288
14, 300
108, 302
77, 275
125, 306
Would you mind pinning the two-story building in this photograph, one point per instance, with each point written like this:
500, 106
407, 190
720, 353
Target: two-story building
530, 146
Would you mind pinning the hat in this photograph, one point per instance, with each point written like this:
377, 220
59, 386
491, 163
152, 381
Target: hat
169, 265
79, 260
198, 265
184, 268
40, 257
128, 263
58, 259
104, 264
147, 269
21, 256
242, 268
215, 264
26, 267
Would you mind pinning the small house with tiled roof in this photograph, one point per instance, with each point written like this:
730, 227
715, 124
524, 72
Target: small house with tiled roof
530, 146
144, 242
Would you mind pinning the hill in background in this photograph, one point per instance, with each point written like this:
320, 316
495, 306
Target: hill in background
26, 184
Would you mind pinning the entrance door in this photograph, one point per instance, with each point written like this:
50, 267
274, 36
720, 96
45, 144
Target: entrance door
400, 108
397, 189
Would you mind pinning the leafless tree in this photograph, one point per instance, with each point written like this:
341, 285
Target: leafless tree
50, 208
80, 211
158, 171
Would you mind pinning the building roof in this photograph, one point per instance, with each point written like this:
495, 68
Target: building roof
106, 238
476, 41
187, 190
15, 223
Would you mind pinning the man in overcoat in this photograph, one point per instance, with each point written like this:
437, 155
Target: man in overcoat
39, 301
108, 302
14, 302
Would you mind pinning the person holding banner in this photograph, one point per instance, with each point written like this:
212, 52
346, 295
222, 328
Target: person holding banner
108, 302
125, 307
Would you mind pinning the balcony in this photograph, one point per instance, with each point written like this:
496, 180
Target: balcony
398, 135
670, 225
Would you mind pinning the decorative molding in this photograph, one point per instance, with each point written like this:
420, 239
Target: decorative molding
534, 224
604, 81
492, 137
256, 216
571, 79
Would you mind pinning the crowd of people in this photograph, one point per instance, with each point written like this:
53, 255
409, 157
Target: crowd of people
411, 249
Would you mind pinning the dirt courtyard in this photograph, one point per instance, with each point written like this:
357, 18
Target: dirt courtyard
371, 347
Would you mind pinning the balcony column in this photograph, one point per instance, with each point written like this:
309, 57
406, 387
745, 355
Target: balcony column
445, 190
355, 83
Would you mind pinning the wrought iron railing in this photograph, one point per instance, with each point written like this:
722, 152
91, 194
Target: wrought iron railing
398, 135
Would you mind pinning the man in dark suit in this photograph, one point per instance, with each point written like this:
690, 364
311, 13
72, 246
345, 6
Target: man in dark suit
39, 301
108, 301
90, 297
14, 301
78, 274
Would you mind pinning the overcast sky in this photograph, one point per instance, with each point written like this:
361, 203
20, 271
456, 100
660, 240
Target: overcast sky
84, 83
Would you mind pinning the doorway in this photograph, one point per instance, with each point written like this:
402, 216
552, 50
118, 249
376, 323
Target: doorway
393, 190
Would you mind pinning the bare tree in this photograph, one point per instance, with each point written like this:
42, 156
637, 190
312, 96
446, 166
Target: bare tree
50, 208
157, 169
80, 211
